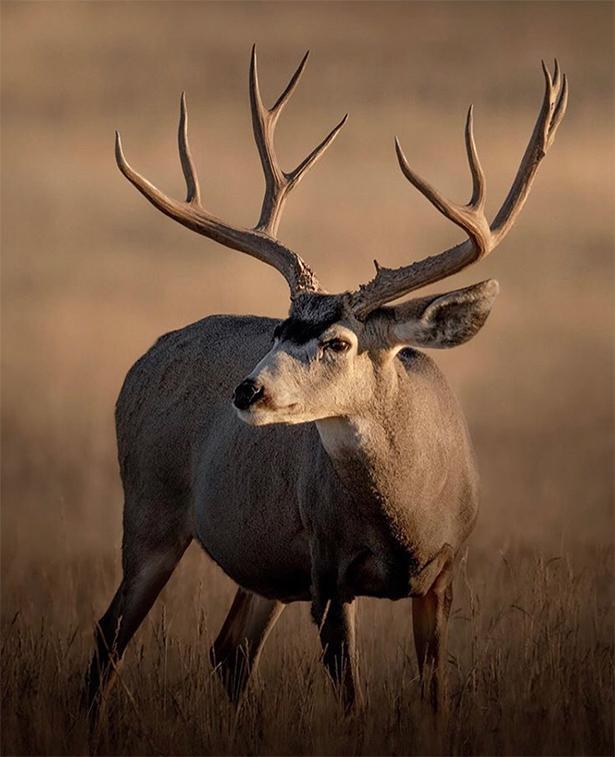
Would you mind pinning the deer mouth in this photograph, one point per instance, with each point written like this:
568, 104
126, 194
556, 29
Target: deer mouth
265, 413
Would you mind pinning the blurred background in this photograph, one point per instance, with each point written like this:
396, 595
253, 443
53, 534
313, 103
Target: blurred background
92, 274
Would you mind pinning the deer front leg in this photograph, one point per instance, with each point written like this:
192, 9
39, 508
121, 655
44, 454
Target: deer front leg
336, 626
431, 604
237, 648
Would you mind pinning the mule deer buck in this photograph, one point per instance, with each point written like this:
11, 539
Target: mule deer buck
343, 466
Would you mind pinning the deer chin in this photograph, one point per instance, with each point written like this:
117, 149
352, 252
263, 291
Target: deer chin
266, 415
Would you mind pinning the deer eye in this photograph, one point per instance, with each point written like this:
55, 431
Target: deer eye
337, 345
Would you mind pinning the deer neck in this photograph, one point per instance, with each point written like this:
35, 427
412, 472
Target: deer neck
369, 449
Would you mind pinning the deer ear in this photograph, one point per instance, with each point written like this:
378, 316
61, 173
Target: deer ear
442, 320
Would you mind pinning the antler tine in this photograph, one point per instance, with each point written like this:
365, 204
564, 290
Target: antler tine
549, 118
294, 177
425, 188
469, 217
291, 86
560, 108
478, 175
262, 124
556, 73
152, 193
454, 212
193, 192
278, 183
389, 284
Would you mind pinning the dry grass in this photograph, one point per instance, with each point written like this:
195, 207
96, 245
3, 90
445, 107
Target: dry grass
530, 662
91, 276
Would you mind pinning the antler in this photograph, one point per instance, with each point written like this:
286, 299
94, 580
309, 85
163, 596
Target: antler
260, 242
389, 284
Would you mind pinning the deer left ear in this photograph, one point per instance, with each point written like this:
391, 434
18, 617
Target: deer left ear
442, 320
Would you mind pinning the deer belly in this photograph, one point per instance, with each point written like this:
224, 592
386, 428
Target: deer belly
269, 562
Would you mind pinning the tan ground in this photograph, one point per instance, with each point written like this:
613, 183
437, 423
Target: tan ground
92, 275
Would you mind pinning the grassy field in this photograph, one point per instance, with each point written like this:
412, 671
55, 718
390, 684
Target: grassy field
530, 665
91, 277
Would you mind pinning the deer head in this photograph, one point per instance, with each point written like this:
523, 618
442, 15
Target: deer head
334, 351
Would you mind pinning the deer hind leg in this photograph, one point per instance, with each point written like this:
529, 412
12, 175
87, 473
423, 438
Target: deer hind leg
237, 648
336, 625
148, 562
431, 604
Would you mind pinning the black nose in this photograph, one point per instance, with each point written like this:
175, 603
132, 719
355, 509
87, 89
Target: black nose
247, 393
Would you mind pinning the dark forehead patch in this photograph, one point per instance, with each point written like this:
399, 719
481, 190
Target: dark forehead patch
311, 314
300, 330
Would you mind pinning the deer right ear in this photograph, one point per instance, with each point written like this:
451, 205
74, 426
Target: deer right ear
442, 320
